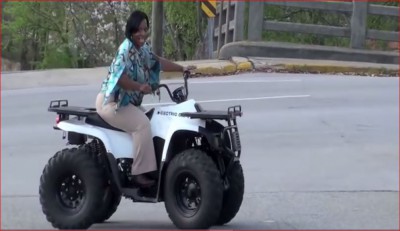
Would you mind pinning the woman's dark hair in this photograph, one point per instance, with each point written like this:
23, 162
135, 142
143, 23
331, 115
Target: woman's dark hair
133, 22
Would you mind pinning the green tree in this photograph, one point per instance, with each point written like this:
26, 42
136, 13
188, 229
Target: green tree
33, 31
181, 39
42, 35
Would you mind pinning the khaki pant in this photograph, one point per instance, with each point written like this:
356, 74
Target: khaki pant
134, 121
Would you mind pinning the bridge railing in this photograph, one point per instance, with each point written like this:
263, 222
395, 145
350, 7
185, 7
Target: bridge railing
232, 12
241, 15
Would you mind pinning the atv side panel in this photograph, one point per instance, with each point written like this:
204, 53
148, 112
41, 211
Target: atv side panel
118, 143
167, 118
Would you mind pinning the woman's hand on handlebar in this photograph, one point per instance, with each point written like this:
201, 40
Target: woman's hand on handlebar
145, 89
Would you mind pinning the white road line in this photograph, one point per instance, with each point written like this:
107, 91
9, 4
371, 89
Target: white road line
246, 81
234, 81
239, 99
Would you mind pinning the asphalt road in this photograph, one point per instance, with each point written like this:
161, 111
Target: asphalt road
319, 152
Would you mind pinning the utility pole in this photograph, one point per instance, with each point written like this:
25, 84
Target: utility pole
157, 27
210, 37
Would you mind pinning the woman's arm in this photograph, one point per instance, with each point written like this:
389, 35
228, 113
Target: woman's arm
167, 65
127, 84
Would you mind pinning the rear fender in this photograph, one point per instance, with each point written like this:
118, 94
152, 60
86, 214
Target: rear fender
120, 144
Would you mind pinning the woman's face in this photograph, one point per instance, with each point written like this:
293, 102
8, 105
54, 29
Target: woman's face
141, 35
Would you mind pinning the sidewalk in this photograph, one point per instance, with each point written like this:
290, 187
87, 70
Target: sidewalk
68, 77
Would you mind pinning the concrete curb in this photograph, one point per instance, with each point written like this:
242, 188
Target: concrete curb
209, 67
324, 67
222, 69
217, 67
242, 64
239, 64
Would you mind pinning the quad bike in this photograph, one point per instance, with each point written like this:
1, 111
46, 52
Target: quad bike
199, 176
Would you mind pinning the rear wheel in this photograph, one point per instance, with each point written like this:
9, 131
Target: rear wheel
71, 189
109, 207
193, 190
111, 198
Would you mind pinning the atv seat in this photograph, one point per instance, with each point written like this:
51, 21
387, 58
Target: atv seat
95, 120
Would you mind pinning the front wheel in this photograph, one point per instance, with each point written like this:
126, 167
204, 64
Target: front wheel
233, 196
71, 189
193, 190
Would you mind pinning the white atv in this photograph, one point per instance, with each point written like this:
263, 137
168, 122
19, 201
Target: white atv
199, 176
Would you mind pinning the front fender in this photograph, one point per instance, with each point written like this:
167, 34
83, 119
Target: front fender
176, 127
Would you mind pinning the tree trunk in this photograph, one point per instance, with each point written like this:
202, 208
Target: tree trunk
157, 27
24, 54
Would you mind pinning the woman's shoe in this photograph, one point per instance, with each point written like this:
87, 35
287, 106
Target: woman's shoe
142, 181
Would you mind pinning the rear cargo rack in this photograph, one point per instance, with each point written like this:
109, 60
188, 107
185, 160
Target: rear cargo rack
230, 132
228, 115
61, 107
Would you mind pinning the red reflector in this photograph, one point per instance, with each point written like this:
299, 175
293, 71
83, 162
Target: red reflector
57, 119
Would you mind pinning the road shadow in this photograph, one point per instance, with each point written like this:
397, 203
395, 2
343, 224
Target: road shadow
136, 225
112, 225
157, 225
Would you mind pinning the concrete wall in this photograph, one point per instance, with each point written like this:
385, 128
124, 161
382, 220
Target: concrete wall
253, 44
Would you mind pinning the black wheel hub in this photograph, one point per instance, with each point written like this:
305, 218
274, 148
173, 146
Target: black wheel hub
71, 192
188, 195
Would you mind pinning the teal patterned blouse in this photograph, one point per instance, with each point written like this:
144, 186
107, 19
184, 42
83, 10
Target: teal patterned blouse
139, 65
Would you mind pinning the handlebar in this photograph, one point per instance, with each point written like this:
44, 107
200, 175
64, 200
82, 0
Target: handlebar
166, 88
176, 98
